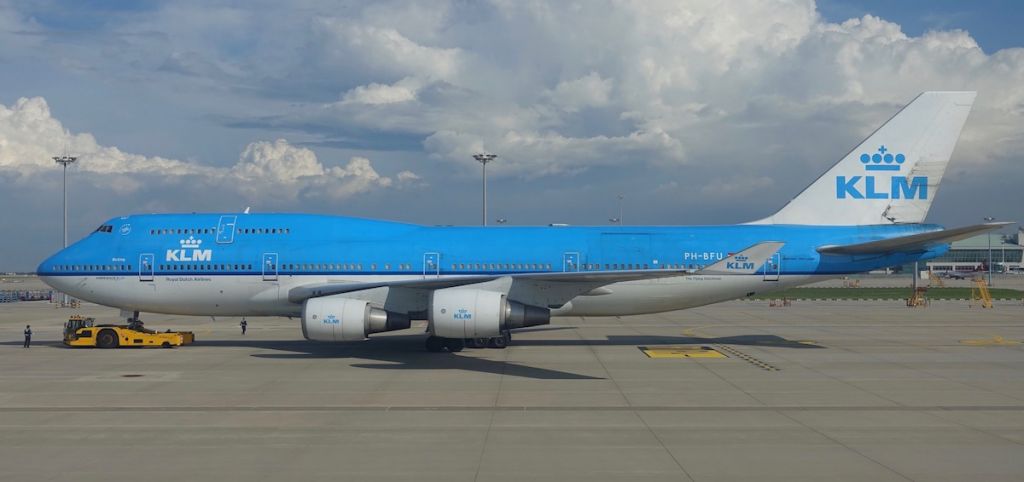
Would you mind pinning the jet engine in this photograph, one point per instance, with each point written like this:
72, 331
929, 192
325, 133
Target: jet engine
345, 319
472, 313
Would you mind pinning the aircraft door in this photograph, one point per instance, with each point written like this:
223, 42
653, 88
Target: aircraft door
570, 262
431, 264
269, 265
226, 229
146, 267
772, 267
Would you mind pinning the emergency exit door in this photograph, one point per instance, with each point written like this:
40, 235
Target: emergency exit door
773, 267
146, 267
226, 229
570, 262
431, 264
269, 266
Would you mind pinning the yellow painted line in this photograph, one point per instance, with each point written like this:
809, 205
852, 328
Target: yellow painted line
994, 341
681, 352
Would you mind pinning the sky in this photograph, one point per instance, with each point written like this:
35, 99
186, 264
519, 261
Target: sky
697, 112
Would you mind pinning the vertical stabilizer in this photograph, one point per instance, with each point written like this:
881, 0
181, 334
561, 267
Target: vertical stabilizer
893, 175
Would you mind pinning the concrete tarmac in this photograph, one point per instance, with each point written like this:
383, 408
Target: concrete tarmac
816, 391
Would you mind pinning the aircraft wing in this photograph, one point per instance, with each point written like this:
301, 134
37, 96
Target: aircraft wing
913, 242
571, 283
591, 278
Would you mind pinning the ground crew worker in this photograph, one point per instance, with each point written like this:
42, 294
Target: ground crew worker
28, 335
243, 324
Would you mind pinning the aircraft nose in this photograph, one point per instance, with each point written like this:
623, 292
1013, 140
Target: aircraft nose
48, 269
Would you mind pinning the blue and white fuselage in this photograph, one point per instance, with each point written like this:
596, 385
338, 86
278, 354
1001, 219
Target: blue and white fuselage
246, 264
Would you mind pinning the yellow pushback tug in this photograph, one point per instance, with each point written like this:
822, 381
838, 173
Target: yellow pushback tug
81, 331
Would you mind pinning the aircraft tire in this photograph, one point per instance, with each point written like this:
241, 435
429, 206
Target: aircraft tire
477, 342
435, 344
454, 345
500, 342
106, 339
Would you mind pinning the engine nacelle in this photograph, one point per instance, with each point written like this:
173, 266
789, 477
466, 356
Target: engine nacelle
346, 319
471, 313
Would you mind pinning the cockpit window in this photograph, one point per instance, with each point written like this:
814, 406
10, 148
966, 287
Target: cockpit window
106, 228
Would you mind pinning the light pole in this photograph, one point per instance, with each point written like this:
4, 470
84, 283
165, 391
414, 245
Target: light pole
621, 197
484, 159
989, 219
65, 161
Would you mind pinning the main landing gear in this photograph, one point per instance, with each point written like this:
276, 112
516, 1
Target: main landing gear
437, 344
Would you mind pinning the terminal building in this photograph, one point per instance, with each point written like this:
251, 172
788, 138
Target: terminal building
972, 254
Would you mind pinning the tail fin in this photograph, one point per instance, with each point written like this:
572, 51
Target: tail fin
893, 175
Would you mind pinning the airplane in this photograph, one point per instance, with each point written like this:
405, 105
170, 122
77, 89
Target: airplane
963, 274
347, 278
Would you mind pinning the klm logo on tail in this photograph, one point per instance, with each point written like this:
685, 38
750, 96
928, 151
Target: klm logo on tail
872, 187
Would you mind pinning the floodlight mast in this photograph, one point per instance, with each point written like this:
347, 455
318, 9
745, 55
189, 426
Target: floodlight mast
989, 219
484, 159
65, 161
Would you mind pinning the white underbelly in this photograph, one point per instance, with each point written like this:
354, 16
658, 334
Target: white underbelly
253, 296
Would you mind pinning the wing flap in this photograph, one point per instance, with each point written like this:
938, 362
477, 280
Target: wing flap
913, 242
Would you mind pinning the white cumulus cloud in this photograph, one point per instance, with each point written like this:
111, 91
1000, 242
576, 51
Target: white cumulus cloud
30, 136
376, 94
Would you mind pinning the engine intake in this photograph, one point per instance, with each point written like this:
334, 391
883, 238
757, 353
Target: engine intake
471, 313
346, 319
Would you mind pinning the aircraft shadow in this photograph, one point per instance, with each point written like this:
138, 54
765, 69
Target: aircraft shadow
395, 352
406, 352
773, 341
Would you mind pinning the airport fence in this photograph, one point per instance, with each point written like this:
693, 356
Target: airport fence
12, 296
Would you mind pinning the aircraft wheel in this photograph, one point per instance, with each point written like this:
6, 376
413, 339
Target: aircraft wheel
477, 342
435, 344
500, 342
454, 344
106, 339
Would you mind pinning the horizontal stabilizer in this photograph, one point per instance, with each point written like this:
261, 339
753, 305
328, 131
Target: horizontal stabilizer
914, 242
747, 261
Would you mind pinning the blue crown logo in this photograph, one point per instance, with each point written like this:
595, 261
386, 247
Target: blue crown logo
882, 160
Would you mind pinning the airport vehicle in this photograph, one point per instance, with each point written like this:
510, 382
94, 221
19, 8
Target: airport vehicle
347, 278
81, 331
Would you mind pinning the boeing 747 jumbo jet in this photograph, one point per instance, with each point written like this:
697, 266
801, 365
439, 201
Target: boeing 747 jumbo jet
346, 278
